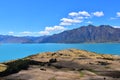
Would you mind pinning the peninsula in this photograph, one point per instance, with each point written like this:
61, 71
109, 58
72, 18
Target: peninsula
70, 64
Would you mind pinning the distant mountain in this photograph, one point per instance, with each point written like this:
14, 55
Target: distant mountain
35, 39
86, 34
14, 39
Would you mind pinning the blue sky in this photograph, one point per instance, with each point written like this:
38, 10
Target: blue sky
46, 17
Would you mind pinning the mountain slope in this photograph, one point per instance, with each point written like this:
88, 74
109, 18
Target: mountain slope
14, 39
90, 33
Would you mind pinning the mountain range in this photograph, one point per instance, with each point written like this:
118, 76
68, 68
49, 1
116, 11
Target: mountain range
83, 34
89, 34
25, 39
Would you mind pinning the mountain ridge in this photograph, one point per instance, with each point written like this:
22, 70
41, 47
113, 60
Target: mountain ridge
83, 34
86, 34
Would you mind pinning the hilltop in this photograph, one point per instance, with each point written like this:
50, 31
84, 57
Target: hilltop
70, 64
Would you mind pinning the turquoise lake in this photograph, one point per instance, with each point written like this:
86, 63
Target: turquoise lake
15, 51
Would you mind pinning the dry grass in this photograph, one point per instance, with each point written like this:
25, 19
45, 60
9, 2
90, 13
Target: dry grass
2, 67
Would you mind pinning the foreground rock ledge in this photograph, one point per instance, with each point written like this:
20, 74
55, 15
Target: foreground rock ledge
71, 64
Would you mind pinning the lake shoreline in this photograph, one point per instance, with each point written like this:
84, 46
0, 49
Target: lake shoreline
16, 51
76, 62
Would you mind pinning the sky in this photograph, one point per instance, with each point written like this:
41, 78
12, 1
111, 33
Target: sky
47, 17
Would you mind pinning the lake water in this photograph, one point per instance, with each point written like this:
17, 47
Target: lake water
15, 51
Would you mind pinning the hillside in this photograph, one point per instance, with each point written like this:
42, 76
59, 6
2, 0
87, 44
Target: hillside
71, 64
86, 34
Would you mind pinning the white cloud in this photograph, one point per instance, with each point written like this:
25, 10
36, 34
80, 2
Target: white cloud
49, 30
116, 17
89, 22
80, 13
26, 32
116, 26
80, 17
84, 13
54, 28
43, 33
113, 18
65, 24
73, 14
70, 20
67, 21
11, 33
75, 18
118, 14
98, 14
